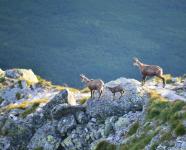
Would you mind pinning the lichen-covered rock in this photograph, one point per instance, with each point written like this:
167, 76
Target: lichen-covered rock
36, 119
108, 129
5, 143
122, 122
76, 140
13, 73
65, 109
81, 117
19, 131
58, 99
66, 124
24, 74
45, 137
106, 108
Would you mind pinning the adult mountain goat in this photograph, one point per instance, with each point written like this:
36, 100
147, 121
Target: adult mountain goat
93, 85
149, 70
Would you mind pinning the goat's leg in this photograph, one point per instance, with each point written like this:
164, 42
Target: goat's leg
114, 95
100, 93
143, 80
122, 92
91, 93
163, 79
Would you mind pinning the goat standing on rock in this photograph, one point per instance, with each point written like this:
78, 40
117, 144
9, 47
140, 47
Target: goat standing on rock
149, 70
116, 89
93, 85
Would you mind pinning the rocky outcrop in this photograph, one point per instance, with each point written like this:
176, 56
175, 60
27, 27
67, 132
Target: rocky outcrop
1, 72
23, 74
60, 123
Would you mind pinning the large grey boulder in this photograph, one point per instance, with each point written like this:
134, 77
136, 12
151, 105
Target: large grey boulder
61, 98
64, 109
36, 119
81, 117
45, 138
66, 124
132, 100
19, 131
105, 108
76, 140
58, 99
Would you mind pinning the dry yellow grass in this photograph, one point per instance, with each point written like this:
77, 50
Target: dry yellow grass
24, 104
73, 90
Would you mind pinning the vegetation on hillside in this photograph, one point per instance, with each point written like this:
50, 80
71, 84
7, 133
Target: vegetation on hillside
160, 113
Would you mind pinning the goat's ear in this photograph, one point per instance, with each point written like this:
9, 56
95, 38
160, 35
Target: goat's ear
82, 75
135, 58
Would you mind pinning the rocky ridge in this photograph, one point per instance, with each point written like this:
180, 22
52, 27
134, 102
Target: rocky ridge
47, 117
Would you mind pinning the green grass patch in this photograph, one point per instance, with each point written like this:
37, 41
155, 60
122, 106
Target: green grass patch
154, 146
2, 79
39, 148
18, 96
1, 100
133, 129
85, 90
104, 145
83, 100
165, 111
20, 84
30, 110
140, 142
160, 112
166, 137
43, 82
180, 129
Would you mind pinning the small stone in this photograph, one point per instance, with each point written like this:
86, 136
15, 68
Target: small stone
108, 129
122, 122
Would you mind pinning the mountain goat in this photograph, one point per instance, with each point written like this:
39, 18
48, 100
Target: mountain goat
116, 89
93, 85
149, 70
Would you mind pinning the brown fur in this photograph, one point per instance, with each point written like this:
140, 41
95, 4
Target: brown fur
93, 85
116, 89
149, 70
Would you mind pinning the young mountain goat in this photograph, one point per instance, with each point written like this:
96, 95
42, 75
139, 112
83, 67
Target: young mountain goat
116, 89
149, 70
93, 85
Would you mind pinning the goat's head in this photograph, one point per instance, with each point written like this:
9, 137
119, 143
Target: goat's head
135, 61
82, 77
